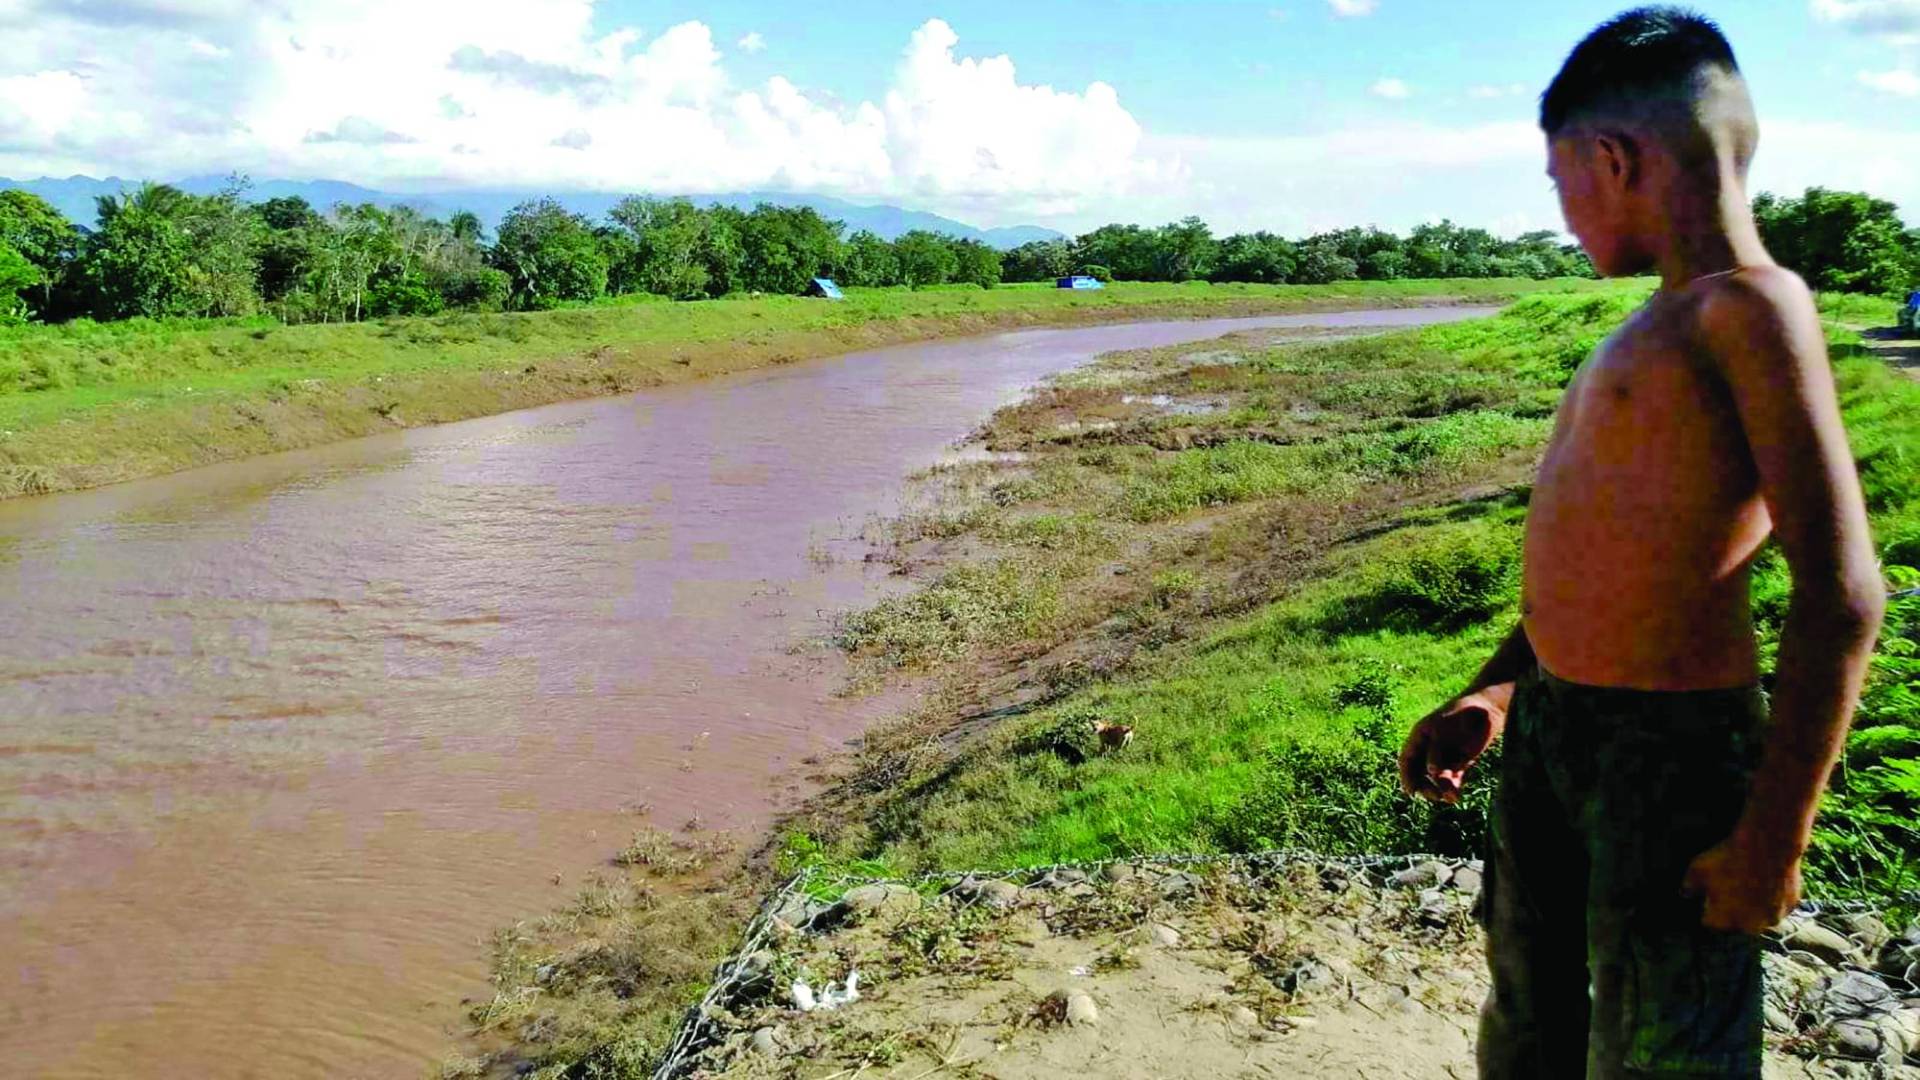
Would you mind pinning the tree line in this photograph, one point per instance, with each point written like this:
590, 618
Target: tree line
158, 252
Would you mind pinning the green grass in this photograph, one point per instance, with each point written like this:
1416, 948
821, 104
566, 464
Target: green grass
1278, 728
85, 403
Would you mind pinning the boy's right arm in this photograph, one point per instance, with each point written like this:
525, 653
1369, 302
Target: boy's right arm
1446, 742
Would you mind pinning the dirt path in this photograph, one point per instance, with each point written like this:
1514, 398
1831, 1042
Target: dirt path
1899, 350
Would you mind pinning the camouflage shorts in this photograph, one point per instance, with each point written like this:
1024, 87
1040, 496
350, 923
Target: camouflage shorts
1600, 966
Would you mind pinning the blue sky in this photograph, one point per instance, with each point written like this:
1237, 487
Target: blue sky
1238, 68
1295, 115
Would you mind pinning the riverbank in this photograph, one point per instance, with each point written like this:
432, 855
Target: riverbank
1266, 557
87, 404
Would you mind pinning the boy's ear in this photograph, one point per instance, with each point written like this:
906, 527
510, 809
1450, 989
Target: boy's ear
1619, 156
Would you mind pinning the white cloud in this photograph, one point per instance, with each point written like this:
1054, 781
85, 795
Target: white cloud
1899, 82
445, 93
1394, 175
1399, 174
1347, 9
1391, 89
1489, 91
1895, 19
752, 42
1796, 155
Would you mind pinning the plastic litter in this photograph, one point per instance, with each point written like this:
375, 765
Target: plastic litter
830, 998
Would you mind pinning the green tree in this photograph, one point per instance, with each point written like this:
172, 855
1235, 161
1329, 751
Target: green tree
784, 248
284, 251
1038, 260
926, 259
17, 275
1257, 257
137, 262
465, 226
868, 260
1840, 240
975, 263
550, 256
1390, 264
1428, 260
36, 231
721, 252
1321, 264
664, 256
347, 251
1129, 252
1361, 246
222, 236
1183, 251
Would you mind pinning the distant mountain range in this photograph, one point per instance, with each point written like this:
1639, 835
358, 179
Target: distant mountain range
74, 196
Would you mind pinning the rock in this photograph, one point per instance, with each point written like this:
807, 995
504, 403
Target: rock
1778, 1021
999, 894
755, 974
767, 1042
1905, 1028
1061, 879
1898, 960
1435, 908
1829, 945
1880, 1039
794, 913
1177, 884
1855, 1039
1335, 878
992, 892
1467, 880
1402, 1001
1856, 994
1074, 1007
1116, 872
1163, 935
1308, 976
1243, 1016
884, 898
1427, 875
1868, 932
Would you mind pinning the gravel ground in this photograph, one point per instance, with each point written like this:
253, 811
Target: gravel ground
1249, 969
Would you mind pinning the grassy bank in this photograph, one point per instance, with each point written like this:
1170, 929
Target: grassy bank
1270, 559
84, 404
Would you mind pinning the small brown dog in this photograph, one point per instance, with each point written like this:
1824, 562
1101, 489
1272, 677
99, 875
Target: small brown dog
1112, 736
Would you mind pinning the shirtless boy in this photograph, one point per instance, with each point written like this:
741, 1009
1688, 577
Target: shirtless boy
1652, 810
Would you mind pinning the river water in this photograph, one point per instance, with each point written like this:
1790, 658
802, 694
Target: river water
283, 741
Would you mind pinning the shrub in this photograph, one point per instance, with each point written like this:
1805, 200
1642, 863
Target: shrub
1454, 576
1346, 800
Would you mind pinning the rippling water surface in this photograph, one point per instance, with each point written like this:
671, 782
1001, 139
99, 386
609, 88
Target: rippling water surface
282, 741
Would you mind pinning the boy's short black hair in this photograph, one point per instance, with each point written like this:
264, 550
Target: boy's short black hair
1643, 53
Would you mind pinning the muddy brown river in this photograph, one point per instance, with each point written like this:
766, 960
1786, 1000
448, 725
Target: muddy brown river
283, 741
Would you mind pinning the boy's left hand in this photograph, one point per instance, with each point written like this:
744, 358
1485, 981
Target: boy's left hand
1743, 887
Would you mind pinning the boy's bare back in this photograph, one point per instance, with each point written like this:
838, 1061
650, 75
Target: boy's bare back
1648, 506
